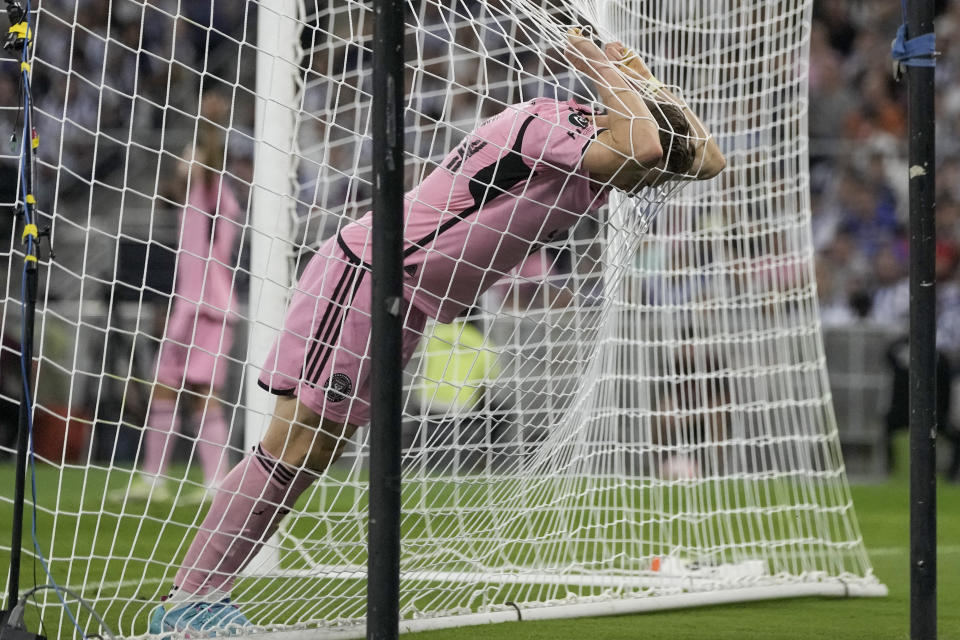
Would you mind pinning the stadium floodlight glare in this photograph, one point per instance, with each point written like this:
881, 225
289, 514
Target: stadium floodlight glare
637, 417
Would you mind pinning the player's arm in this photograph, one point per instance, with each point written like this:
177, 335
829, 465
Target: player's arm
631, 134
708, 159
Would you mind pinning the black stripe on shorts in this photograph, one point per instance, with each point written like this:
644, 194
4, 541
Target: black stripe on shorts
324, 344
339, 293
336, 336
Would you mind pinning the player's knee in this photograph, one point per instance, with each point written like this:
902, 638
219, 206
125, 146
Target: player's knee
331, 440
311, 450
324, 452
288, 443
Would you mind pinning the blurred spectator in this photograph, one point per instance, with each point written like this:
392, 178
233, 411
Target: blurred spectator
867, 212
891, 296
10, 388
860, 182
831, 98
898, 415
694, 407
834, 16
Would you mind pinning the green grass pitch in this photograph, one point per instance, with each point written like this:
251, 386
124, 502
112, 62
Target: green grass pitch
882, 511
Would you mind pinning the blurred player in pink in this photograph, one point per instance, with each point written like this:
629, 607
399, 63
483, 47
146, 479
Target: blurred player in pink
192, 361
516, 180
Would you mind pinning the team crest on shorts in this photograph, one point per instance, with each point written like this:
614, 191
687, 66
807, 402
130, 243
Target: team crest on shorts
338, 387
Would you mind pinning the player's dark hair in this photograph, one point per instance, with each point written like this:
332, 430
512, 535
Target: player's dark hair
211, 140
210, 146
674, 132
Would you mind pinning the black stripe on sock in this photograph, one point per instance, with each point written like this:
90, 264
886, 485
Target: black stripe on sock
275, 468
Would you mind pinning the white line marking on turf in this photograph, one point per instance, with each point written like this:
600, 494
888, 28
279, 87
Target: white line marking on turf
115, 584
947, 549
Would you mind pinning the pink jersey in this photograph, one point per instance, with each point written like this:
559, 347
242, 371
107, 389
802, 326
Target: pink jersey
514, 181
208, 234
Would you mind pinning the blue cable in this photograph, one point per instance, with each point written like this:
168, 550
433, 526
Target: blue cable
27, 146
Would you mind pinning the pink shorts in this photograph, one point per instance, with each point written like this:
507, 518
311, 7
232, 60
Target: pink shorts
195, 348
322, 354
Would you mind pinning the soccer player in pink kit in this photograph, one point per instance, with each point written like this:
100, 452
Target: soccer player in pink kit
518, 178
199, 331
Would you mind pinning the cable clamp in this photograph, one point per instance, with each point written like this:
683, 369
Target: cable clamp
18, 36
46, 233
915, 52
25, 67
30, 231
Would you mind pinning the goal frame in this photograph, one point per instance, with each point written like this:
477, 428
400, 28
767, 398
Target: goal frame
603, 553
282, 131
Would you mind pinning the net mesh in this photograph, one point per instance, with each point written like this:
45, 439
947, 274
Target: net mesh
636, 407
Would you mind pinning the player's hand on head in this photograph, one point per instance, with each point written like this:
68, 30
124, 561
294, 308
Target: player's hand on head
615, 51
584, 54
622, 55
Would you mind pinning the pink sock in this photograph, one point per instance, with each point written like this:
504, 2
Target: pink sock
246, 511
212, 440
157, 441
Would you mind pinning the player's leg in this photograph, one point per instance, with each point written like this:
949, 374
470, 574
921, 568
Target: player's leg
253, 497
210, 415
163, 420
319, 302
246, 510
206, 373
302, 439
157, 443
319, 367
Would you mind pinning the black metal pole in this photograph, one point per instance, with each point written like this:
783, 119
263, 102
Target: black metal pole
923, 328
23, 437
383, 563
30, 236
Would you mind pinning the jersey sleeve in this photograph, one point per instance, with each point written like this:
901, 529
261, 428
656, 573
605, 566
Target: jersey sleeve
559, 134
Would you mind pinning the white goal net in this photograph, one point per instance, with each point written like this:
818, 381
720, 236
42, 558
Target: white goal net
634, 415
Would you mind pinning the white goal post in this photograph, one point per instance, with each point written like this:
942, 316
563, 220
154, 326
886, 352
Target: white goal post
636, 417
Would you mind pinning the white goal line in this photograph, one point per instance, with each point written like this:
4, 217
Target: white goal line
356, 573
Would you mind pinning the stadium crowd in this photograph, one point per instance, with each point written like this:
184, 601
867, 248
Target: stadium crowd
857, 128
858, 124
859, 188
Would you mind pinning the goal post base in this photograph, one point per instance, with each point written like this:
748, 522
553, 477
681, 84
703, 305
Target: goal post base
607, 607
